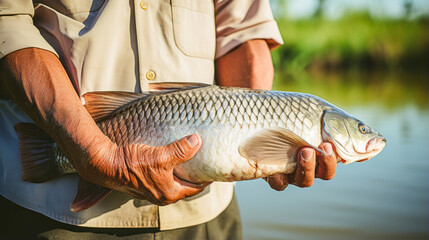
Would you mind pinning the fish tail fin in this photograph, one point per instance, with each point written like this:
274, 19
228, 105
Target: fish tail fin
36, 154
38, 165
88, 194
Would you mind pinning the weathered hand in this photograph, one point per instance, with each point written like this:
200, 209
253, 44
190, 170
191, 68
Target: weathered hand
309, 167
146, 172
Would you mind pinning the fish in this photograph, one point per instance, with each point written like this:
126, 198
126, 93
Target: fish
246, 134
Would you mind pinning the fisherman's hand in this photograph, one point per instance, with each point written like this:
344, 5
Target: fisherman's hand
147, 172
308, 167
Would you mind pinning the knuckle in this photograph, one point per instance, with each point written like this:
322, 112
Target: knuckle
179, 151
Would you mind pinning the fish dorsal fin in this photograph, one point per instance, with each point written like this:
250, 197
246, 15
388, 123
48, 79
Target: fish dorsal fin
174, 86
273, 146
101, 104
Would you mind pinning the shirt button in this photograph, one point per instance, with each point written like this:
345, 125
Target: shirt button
143, 5
150, 75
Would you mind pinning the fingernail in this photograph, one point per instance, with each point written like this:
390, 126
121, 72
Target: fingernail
192, 141
307, 155
328, 149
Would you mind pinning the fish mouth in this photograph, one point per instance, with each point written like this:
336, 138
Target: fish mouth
375, 144
373, 147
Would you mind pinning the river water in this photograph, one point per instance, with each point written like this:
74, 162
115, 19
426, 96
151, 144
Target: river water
386, 197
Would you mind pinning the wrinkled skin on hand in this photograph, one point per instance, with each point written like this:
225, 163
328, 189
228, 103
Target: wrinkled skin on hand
147, 172
308, 168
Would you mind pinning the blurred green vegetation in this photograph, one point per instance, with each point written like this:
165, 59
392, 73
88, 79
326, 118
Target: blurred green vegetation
357, 40
356, 59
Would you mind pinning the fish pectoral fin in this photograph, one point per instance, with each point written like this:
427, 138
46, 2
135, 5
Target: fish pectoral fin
102, 104
174, 86
88, 194
273, 146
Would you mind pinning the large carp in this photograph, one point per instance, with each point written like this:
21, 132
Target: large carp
246, 134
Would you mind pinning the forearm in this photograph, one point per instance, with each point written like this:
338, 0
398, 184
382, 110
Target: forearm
249, 65
38, 83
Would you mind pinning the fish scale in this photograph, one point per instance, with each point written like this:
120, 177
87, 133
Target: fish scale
225, 118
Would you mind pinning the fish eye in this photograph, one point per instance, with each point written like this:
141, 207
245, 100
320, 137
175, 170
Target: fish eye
362, 128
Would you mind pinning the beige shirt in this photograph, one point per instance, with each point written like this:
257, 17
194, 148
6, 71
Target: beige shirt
123, 45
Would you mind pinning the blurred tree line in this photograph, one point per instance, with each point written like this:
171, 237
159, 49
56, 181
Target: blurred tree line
356, 40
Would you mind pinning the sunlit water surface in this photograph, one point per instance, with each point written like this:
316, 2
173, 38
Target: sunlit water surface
386, 197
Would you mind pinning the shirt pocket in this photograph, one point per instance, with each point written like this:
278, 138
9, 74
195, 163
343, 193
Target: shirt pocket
194, 27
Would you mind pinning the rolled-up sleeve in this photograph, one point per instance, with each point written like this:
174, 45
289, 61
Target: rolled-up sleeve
238, 21
17, 30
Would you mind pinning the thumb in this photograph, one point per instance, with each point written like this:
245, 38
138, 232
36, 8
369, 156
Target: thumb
183, 149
